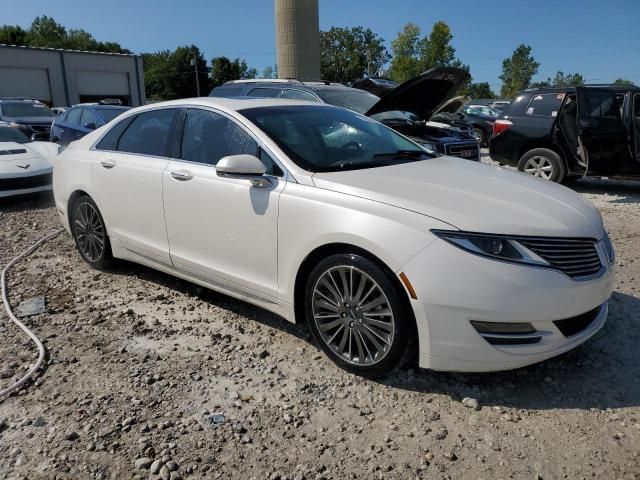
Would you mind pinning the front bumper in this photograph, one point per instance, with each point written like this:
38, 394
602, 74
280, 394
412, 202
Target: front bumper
38, 181
454, 287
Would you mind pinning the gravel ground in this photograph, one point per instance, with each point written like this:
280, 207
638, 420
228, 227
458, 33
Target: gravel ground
152, 377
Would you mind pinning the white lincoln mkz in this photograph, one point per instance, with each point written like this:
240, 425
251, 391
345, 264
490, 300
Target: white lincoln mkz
327, 217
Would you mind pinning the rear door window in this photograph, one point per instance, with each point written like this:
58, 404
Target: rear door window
545, 105
148, 133
295, 94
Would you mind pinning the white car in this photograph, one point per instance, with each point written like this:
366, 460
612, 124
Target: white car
25, 165
382, 249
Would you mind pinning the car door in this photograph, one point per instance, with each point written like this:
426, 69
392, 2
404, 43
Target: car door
222, 229
603, 137
127, 182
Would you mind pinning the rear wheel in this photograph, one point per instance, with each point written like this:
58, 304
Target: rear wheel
356, 315
543, 163
90, 233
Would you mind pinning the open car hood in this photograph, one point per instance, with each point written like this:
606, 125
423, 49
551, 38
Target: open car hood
422, 95
453, 105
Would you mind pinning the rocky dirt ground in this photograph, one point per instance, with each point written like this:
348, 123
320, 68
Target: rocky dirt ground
152, 377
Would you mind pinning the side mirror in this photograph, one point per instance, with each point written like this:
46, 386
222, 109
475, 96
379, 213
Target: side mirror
244, 166
40, 137
90, 125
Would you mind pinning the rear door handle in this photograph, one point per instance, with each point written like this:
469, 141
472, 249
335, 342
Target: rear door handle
108, 163
182, 175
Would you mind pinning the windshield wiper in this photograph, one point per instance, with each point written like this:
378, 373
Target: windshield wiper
402, 154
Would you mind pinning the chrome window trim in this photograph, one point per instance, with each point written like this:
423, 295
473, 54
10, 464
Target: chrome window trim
286, 175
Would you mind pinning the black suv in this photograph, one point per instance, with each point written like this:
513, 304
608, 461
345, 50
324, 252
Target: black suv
31, 117
405, 108
559, 133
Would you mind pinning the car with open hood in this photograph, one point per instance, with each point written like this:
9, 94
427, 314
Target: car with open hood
405, 108
25, 165
561, 133
386, 252
479, 117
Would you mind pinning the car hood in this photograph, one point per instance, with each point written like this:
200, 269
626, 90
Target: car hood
424, 94
473, 197
453, 104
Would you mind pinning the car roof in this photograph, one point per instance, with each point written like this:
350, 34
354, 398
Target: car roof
614, 87
230, 104
310, 85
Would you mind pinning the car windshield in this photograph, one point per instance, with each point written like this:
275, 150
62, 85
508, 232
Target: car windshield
327, 139
25, 109
10, 134
356, 100
109, 114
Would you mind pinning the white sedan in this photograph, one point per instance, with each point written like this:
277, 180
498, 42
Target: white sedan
25, 165
329, 218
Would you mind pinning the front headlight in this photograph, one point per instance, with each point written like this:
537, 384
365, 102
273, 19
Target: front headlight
15, 125
498, 247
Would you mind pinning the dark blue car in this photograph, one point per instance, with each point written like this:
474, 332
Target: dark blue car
81, 119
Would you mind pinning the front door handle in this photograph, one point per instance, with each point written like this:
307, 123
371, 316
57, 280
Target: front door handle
108, 163
182, 175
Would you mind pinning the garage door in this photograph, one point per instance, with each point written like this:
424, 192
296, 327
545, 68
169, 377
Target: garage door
102, 83
25, 82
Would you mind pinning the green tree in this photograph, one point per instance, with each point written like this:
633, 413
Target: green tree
479, 90
13, 35
405, 48
622, 81
348, 54
46, 32
268, 72
169, 74
223, 70
436, 49
568, 80
517, 71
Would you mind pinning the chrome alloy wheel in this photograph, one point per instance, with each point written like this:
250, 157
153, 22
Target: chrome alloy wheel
353, 315
539, 167
89, 231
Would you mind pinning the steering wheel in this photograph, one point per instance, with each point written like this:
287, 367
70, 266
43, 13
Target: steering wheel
353, 145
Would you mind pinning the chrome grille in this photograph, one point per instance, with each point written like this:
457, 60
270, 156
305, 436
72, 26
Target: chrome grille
469, 151
575, 257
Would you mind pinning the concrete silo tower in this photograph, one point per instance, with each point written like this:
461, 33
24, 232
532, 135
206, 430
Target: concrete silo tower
298, 39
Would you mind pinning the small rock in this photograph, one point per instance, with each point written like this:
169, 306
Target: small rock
7, 373
155, 467
142, 463
171, 465
471, 403
38, 422
71, 436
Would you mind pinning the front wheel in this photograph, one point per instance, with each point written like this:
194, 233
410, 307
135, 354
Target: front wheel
357, 316
90, 233
480, 136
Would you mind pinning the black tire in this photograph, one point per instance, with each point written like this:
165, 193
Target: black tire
398, 348
544, 157
480, 136
85, 211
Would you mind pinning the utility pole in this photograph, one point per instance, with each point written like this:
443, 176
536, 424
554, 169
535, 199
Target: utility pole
194, 62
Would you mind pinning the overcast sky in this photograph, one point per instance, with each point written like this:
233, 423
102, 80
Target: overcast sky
598, 38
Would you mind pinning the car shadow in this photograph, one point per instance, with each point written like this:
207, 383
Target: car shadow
623, 191
22, 203
601, 373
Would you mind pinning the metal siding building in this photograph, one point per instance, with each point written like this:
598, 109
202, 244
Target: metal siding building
63, 78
